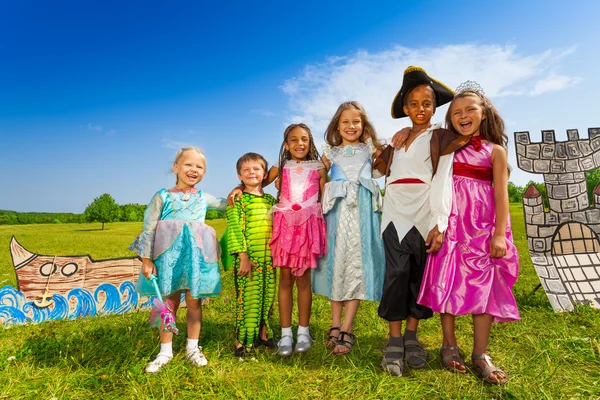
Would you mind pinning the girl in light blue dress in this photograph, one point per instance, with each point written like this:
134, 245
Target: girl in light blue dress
181, 250
354, 266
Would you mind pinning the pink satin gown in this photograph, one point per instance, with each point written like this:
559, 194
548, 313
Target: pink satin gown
461, 278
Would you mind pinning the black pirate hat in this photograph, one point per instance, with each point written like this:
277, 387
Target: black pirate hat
416, 76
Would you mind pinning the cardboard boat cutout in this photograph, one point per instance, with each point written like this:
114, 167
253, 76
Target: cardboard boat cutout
563, 242
68, 287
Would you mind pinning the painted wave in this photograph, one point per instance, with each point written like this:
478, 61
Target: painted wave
106, 300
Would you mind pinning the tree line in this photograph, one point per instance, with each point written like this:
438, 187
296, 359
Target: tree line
102, 209
105, 209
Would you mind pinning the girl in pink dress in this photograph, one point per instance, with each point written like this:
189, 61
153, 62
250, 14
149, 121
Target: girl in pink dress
476, 267
299, 234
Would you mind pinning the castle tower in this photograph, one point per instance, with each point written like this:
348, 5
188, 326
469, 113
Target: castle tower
563, 242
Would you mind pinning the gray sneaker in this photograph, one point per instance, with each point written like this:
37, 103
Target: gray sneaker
284, 350
304, 343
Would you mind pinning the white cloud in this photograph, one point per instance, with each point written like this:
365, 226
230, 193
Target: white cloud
554, 82
94, 127
373, 79
263, 112
173, 144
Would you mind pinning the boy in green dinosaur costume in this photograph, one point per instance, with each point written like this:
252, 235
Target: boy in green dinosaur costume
248, 235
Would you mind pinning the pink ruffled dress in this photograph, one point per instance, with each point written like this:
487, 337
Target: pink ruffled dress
299, 233
461, 278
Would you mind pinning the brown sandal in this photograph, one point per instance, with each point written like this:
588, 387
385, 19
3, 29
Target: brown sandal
347, 344
489, 370
452, 361
332, 340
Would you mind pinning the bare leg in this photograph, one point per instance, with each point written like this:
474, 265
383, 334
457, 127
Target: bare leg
351, 307
286, 283
336, 313
482, 325
194, 316
451, 358
304, 298
412, 323
447, 321
395, 328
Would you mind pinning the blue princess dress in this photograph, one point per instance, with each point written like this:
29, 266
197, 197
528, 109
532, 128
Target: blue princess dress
184, 249
354, 266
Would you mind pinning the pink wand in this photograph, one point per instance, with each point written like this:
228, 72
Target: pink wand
162, 311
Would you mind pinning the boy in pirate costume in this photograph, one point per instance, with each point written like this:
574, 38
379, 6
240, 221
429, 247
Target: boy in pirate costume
417, 203
247, 241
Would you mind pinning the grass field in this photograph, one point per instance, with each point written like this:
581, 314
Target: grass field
546, 354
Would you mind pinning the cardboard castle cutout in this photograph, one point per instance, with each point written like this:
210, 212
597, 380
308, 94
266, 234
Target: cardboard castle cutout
68, 287
563, 242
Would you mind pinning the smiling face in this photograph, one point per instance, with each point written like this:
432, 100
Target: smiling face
298, 143
466, 114
189, 168
252, 173
420, 105
350, 126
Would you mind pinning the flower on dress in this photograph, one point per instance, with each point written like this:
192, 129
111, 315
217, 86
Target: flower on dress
296, 207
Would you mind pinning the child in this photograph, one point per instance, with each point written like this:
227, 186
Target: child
354, 266
477, 266
248, 235
415, 213
299, 236
181, 251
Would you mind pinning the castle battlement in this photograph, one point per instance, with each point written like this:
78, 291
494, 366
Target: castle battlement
563, 242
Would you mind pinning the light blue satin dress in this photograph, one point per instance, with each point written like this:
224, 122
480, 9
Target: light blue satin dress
184, 249
354, 266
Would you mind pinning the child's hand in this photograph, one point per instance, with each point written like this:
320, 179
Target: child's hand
498, 247
277, 184
234, 195
435, 238
245, 266
148, 267
400, 137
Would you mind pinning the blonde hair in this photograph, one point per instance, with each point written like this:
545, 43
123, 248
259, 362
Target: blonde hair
333, 137
182, 150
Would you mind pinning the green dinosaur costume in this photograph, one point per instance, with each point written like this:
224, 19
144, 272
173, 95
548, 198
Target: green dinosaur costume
249, 231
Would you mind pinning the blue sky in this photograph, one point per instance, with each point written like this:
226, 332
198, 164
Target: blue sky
96, 97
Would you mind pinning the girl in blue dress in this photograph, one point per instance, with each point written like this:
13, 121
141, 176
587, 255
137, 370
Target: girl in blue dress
354, 266
181, 250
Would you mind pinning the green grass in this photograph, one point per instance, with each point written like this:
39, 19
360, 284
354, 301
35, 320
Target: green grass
546, 354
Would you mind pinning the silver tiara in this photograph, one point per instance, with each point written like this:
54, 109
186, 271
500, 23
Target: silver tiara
470, 86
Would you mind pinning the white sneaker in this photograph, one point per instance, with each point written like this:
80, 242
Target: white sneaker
196, 357
158, 363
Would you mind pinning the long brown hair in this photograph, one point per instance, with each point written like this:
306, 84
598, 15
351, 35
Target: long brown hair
284, 154
333, 137
492, 127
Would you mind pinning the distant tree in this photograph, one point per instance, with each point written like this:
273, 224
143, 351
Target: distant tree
592, 179
132, 212
515, 193
103, 209
214, 214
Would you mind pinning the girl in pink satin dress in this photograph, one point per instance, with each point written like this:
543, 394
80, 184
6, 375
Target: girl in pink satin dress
299, 235
476, 267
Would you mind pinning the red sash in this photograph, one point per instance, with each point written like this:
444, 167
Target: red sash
473, 171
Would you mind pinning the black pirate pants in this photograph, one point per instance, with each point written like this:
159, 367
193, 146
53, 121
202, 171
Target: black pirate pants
404, 266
